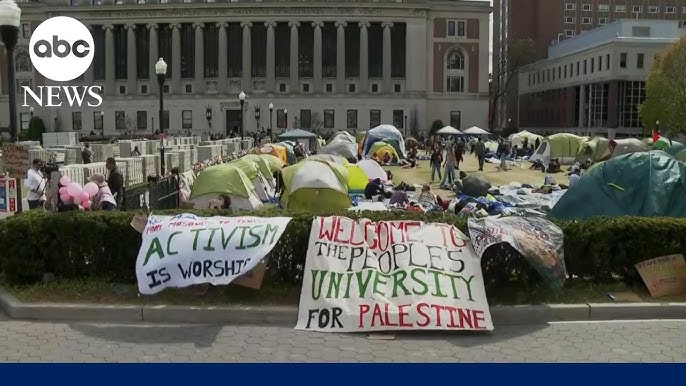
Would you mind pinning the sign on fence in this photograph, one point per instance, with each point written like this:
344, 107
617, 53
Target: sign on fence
391, 275
540, 242
16, 159
183, 250
664, 275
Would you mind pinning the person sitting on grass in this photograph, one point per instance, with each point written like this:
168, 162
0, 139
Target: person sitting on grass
374, 188
394, 160
399, 196
386, 159
430, 201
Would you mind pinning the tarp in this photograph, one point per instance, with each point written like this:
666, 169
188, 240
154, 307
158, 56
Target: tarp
224, 179
315, 186
597, 148
384, 133
277, 151
357, 180
563, 146
372, 170
646, 184
290, 154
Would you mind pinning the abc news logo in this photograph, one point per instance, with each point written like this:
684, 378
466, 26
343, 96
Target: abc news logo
61, 50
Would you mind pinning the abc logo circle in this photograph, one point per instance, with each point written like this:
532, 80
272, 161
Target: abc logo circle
61, 49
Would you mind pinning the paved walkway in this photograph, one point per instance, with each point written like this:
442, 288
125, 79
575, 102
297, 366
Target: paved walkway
651, 341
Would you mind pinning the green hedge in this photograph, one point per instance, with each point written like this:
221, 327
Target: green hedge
103, 245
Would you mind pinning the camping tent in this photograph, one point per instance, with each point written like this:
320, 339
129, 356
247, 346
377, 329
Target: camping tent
290, 154
315, 186
342, 144
309, 140
277, 151
517, 139
449, 130
563, 146
273, 163
357, 180
372, 170
625, 146
475, 130
257, 177
266, 169
329, 157
646, 184
224, 179
386, 133
382, 148
596, 149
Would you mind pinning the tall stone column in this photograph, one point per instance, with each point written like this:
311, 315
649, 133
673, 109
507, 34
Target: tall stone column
317, 71
340, 56
582, 105
295, 54
199, 58
387, 56
364, 56
246, 82
131, 68
89, 76
153, 57
271, 58
109, 59
223, 59
176, 58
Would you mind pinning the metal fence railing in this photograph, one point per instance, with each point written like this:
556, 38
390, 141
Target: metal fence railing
157, 194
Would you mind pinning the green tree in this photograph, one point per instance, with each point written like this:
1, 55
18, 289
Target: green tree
520, 52
36, 129
666, 91
437, 125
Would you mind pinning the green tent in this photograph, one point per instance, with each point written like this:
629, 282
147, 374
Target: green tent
563, 146
290, 154
261, 163
315, 186
249, 167
646, 184
681, 156
596, 149
272, 162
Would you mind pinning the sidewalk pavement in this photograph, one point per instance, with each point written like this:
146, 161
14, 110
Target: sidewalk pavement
287, 315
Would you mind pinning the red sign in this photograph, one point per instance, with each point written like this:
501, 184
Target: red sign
13, 205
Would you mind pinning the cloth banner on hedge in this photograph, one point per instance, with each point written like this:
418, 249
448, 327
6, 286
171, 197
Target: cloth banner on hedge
391, 275
182, 250
540, 242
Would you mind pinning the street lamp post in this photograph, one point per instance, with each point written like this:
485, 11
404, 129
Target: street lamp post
241, 99
102, 124
208, 116
271, 112
10, 19
257, 116
405, 127
657, 126
31, 111
161, 71
285, 115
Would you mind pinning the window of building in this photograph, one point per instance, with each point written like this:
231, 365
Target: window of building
602, 20
142, 120
622, 60
398, 119
637, 9
585, 20
144, 89
98, 121
683, 9
592, 65
306, 87
653, 9
329, 87
374, 118
620, 8
375, 87
456, 28
600, 63
565, 72
569, 32
187, 119
328, 119
76, 122
189, 88
25, 120
607, 61
122, 90
456, 119
280, 119
559, 72
120, 120
554, 74
639, 60
211, 50
351, 119
165, 89
568, 7
25, 30
670, 9
455, 74
529, 79
120, 52
570, 19
577, 68
586, 7
631, 95
351, 87
603, 7
397, 87
683, 24
305, 119
187, 33
282, 87
585, 67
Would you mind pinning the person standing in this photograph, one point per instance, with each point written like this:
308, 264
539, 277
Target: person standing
115, 181
86, 154
449, 173
459, 152
436, 161
35, 184
480, 151
504, 153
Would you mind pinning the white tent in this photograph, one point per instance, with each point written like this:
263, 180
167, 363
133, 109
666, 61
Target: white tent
517, 139
474, 130
449, 130
372, 170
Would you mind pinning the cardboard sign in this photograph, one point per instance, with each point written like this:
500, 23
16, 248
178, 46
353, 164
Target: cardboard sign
253, 278
664, 275
16, 159
139, 222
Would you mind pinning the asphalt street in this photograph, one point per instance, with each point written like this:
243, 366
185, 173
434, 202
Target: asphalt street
635, 341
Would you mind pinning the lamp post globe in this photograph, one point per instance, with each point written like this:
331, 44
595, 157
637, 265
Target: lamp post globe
241, 99
285, 115
271, 112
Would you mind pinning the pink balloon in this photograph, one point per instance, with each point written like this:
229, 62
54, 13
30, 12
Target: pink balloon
65, 180
63, 190
84, 196
86, 204
66, 198
74, 190
91, 188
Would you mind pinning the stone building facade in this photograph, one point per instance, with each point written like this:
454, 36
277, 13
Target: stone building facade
327, 65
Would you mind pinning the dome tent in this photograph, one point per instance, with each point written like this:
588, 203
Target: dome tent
386, 133
563, 146
224, 179
329, 157
627, 145
382, 148
342, 144
517, 139
315, 186
645, 184
372, 170
357, 180
265, 169
259, 181
597, 149
274, 150
290, 154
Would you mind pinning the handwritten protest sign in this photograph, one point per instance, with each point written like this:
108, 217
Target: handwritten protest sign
664, 275
540, 242
183, 250
16, 159
391, 275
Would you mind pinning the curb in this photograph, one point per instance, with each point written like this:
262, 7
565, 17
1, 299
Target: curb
286, 316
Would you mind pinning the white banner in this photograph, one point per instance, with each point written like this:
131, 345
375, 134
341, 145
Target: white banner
391, 275
182, 250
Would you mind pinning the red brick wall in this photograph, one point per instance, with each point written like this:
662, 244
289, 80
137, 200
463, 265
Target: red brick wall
472, 28
440, 28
